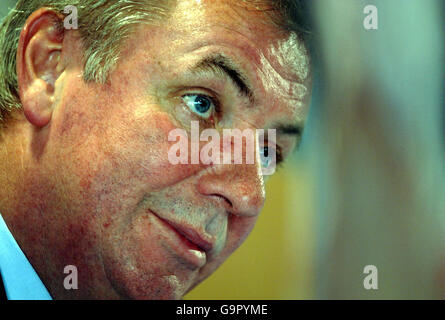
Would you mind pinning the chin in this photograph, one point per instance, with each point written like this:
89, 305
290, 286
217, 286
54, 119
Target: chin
150, 287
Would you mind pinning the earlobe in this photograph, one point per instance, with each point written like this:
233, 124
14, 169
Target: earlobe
37, 104
38, 65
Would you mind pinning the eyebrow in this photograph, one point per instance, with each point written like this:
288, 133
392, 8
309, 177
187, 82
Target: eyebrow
292, 129
222, 63
225, 65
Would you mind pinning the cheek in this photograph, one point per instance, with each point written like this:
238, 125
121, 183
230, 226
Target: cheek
141, 267
139, 151
120, 147
238, 229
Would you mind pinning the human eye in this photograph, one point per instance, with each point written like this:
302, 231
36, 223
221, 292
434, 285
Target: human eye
266, 156
200, 104
270, 156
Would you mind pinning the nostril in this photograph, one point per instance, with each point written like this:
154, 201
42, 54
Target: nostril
224, 198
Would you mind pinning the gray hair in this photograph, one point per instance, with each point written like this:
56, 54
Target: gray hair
103, 26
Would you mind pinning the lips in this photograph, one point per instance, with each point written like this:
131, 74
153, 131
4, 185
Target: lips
203, 242
187, 242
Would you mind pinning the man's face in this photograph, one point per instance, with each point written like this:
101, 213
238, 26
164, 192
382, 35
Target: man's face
134, 224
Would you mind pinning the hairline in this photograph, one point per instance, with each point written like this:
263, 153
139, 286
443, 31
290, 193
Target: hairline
106, 68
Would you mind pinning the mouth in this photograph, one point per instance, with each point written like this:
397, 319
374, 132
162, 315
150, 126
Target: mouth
187, 243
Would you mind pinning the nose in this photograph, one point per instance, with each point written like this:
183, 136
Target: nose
239, 186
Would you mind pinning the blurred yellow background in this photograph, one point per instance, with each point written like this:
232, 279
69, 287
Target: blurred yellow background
367, 188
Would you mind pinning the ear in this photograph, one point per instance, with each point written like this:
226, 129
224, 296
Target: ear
38, 64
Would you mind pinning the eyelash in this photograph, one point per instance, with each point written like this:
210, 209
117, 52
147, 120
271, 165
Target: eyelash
213, 99
213, 116
279, 156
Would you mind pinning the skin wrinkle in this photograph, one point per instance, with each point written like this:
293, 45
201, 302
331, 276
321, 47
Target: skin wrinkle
102, 178
299, 66
290, 80
273, 75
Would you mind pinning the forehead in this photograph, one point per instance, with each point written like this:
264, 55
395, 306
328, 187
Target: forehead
245, 20
276, 63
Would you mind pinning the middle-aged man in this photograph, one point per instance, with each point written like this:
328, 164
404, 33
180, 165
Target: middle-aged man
86, 114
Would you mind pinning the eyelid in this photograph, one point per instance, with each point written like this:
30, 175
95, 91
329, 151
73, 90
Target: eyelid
279, 153
209, 121
208, 93
214, 100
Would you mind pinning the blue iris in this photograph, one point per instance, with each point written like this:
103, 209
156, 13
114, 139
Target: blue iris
202, 104
199, 104
266, 158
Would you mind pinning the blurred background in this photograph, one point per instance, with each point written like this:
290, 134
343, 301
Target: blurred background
365, 187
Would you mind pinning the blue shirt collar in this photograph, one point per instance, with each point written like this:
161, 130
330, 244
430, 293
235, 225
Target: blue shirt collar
19, 277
